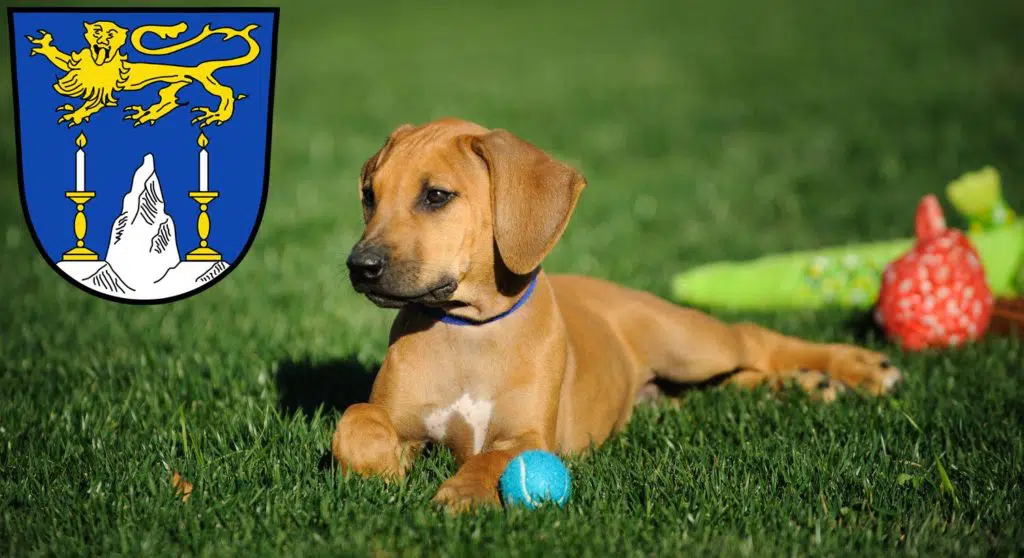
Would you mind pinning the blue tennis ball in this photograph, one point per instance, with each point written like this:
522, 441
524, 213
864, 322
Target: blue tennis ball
534, 478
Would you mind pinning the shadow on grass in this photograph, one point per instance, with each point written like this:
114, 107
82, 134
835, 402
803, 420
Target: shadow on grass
864, 328
304, 385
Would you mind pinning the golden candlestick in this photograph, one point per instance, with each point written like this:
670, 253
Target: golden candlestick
80, 253
203, 253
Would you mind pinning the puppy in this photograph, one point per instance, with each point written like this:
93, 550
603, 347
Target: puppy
488, 354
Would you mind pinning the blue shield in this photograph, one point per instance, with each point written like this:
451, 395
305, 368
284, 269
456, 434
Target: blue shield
143, 143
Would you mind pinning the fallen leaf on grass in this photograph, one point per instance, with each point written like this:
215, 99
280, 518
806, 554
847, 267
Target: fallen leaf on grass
182, 487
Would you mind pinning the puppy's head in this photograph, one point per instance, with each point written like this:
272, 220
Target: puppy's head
455, 213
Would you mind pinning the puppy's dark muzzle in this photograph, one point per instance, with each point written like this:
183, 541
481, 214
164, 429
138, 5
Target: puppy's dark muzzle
367, 264
393, 284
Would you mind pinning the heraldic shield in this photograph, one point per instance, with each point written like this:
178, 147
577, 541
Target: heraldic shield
143, 143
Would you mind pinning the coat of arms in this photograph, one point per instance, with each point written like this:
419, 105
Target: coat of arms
144, 142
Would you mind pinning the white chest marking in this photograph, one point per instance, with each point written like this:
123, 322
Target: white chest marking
477, 415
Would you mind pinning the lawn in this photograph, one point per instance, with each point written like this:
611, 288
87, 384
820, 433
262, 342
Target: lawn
707, 130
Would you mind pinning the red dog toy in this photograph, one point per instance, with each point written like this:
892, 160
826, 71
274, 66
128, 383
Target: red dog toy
935, 295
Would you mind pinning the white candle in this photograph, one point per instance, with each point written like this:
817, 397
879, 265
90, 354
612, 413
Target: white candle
80, 171
204, 169
204, 163
80, 164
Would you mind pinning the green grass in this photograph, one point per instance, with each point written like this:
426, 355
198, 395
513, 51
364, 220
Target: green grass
707, 130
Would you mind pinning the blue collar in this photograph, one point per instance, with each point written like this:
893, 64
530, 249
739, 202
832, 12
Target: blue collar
455, 320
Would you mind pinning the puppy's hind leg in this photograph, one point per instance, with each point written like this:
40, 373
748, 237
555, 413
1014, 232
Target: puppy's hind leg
854, 366
683, 345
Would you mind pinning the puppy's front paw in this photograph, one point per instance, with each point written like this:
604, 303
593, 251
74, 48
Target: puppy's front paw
869, 370
461, 494
365, 442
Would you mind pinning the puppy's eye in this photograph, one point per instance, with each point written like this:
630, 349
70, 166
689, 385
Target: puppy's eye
368, 199
435, 198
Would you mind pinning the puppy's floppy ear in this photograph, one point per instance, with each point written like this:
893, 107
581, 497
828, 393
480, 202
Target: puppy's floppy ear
532, 197
371, 164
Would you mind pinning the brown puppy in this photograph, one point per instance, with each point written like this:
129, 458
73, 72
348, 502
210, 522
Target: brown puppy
492, 357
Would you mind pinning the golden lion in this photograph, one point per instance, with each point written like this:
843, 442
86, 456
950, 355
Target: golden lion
95, 73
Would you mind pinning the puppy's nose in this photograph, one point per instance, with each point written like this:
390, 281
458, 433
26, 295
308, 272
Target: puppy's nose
367, 264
